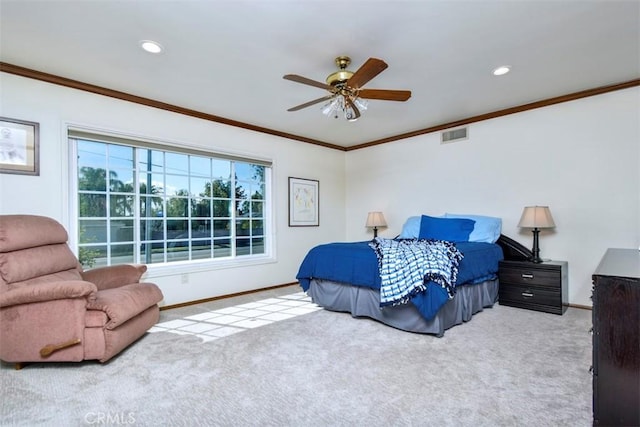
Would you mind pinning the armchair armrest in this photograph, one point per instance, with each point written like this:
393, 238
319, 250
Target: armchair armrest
114, 276
46, 292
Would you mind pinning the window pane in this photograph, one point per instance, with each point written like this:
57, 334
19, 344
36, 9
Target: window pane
201, 249
257, 191
241, 193
122, 231
200, 166
122, 254
93, 231
243, 227
243, 246
257, 228
150, 160
221, 169
152, 229
121, 205
176, 163
121, 180
222, 208
120, 157
201, 208
92, 179
92, 205
151, 207
200, 229
220, 188
200, 186
92, 154
221, 248
221, 228
178, 206
93, 256
177, 185
257, 246
152, 253
178, 251
151, 183
177, 229
244, 171
242, 208
256, 209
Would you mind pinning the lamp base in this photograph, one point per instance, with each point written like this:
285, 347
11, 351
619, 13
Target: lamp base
375, 232
536, 247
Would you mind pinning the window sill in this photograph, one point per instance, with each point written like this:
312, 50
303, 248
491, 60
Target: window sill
162, 270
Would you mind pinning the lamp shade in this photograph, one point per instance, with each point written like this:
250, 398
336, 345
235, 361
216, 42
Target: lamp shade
376, 219
536, 217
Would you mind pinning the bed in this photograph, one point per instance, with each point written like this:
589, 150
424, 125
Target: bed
348, 277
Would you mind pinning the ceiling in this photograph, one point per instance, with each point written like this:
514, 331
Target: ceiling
227, 58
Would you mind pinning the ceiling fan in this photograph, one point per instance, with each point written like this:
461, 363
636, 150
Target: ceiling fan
345, 89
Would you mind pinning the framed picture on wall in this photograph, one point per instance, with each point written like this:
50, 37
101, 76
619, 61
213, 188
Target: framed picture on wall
19, 146
304, 202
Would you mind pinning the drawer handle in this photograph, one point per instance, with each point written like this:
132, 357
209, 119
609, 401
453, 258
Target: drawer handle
527, 294
527, 276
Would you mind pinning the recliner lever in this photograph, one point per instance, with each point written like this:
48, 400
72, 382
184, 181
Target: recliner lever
48, 349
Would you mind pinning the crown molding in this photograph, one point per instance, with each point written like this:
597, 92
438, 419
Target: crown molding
75, 84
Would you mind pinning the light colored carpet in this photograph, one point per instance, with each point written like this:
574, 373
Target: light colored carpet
505, 367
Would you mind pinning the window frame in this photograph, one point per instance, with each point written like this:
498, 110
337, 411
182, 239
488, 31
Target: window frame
193, 265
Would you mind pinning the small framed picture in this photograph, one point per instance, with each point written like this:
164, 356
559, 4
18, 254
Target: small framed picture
303, 202
19, 147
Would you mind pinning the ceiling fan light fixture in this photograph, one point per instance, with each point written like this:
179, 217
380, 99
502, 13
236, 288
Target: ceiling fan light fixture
362, 104
331, 107
350, 115
346, 95
501, 70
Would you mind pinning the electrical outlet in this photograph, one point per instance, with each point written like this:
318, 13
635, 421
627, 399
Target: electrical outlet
184, 278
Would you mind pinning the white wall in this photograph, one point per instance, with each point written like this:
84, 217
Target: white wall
54, 107
581, 158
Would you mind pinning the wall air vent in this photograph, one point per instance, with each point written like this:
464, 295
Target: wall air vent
454, 135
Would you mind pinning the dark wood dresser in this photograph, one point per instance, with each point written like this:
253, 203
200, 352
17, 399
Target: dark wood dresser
616, 339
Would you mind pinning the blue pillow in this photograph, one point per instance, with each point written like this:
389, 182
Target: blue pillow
450, 229
486, 229
411, 228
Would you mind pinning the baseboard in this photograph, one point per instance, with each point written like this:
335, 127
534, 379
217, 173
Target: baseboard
200, 301
584, 307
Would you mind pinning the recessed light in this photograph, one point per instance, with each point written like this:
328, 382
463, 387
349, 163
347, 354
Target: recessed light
502, 70
151, 46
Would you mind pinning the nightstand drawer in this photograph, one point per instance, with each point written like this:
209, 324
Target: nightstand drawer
529, 294
529, 276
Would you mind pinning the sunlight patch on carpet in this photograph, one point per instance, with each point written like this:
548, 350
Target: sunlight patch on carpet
226, 321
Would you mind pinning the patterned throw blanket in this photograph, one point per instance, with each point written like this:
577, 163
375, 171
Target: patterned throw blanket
407, 265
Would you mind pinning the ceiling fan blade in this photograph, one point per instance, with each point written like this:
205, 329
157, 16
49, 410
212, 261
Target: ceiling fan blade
310, 103
299, 79
353, 107
387, 95
369, 70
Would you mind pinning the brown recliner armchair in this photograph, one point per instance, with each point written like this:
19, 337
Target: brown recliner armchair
52, 310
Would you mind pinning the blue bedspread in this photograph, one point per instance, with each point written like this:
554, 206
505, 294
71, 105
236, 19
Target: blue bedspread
356, 263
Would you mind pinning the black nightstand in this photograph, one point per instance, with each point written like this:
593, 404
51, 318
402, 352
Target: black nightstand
541, 287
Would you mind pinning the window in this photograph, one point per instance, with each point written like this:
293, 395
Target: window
147, 204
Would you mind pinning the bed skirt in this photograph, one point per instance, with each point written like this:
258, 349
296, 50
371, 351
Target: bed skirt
365, 302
